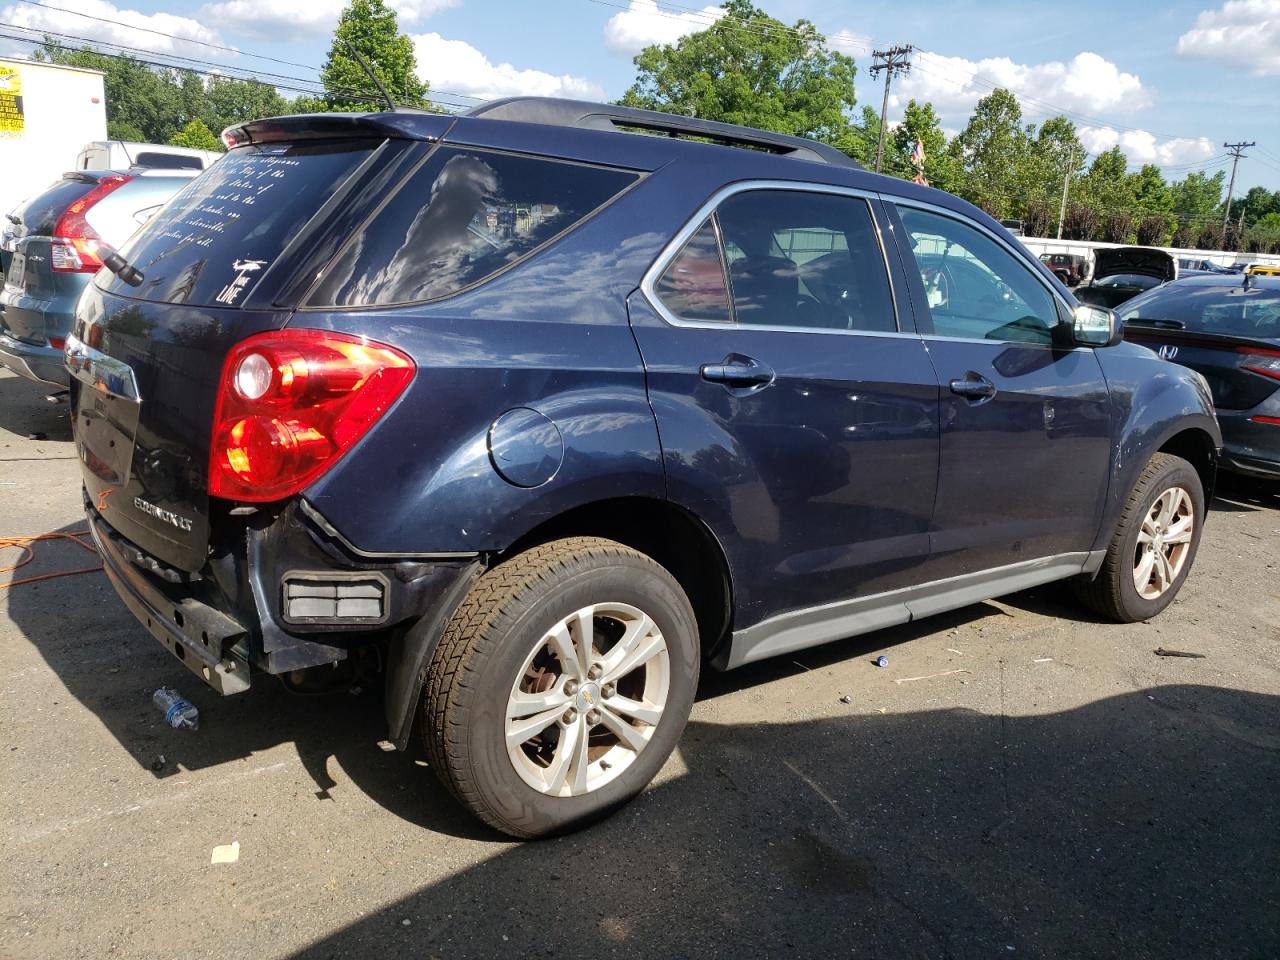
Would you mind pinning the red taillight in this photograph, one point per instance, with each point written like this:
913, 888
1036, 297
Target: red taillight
74, 247
1274, 421
1261, 360
291, 403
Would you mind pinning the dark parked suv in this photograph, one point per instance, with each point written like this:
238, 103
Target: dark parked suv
549, 413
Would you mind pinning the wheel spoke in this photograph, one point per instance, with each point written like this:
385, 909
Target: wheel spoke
580, 762
1142, 574
634, 709
562, 644
630, 737
520, 731
638, 646
527, 704
586, 633
1164, 571
1180, 532
562, 760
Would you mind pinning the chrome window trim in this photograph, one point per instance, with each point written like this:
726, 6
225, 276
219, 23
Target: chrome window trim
683, 235
1001, 241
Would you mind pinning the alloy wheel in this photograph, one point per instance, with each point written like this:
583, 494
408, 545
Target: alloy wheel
1164, 543
588, 699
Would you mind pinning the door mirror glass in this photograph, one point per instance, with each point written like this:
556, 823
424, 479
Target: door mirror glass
1094, 326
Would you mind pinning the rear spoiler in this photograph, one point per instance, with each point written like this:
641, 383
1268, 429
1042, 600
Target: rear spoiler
401, 125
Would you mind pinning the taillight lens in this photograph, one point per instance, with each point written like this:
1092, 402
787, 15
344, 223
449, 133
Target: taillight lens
74, 247
290, 403
1263, 361
1273, 421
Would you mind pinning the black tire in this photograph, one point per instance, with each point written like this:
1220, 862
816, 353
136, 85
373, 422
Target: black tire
1112, 592
468, 682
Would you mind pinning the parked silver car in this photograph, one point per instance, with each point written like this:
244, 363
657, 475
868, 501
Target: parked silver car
52, 248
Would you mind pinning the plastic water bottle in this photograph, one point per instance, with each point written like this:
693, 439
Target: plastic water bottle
177, 710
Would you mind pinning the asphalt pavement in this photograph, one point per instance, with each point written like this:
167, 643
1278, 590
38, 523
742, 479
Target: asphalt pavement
1021, 780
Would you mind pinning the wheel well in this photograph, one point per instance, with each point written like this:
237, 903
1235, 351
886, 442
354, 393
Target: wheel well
669, 534
1197, 448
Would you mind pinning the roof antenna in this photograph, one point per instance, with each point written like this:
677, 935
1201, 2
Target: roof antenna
391, 104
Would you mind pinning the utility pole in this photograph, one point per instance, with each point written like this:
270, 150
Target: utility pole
892, 61
1237, 154
1066, 181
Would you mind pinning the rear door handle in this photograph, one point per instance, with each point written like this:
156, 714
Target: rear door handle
974, 387
752, 374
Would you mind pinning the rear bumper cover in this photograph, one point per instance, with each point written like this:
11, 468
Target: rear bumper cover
1250, 447
205, 640
41, 364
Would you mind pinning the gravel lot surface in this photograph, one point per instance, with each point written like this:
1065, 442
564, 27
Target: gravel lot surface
1061, 792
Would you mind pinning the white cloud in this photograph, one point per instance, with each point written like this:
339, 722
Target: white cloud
299, 18
643, 24
457, 67
1087, 83
1242, 33
117, 25
1143, 147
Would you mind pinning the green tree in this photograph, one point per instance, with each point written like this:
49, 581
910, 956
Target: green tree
1198, 196
751, 69
197, 136
371, 28
1149, 190
992, 150
920, 123
1107, 183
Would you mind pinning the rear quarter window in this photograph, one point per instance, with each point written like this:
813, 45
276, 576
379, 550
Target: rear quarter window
461, 217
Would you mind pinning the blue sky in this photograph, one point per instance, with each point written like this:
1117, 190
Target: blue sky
1168, 83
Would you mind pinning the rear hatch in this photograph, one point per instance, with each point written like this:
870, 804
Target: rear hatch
30, 282
226, 258
1143, 261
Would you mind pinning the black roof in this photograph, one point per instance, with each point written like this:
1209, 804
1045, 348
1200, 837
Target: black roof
602, 116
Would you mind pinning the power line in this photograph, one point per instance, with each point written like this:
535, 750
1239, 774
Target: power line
837, 40
200, 43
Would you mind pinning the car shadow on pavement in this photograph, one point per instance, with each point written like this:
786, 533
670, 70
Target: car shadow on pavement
1240, 494
24, 411
1139, 825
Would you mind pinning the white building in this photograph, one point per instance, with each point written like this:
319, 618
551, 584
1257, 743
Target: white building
47, 114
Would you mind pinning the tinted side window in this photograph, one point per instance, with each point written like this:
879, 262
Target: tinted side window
692, 287
975, 288
805, 260
461, 217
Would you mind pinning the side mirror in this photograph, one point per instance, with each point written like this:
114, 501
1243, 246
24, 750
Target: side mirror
1094, 326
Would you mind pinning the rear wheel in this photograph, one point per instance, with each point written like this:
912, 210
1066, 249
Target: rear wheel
1154, 544
561, 685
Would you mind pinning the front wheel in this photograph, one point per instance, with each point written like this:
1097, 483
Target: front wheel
561, 685
1154, 544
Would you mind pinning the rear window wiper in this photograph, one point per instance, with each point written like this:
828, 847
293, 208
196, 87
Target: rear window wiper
118, 265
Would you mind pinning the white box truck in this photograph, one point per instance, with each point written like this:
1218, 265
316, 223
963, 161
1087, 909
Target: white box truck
48, 113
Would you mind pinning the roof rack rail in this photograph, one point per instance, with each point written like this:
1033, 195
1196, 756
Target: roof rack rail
602, 116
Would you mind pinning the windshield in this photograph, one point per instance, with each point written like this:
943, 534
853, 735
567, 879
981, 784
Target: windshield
1229, 310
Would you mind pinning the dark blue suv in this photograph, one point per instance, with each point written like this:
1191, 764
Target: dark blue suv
547, 413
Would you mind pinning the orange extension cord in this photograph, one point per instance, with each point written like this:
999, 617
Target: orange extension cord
28, 554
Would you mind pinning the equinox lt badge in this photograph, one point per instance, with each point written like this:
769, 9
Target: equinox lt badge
168, 516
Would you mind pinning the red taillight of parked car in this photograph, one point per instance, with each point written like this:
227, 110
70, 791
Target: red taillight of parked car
1273, 421
74, 247
290, 403
1261, 360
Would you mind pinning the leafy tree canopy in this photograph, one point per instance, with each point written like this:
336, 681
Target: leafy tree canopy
197, 136
751, 69
371, 28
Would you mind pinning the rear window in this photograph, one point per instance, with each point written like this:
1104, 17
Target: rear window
41, 213
1234, 310
168, 161
458, 219
212, 242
